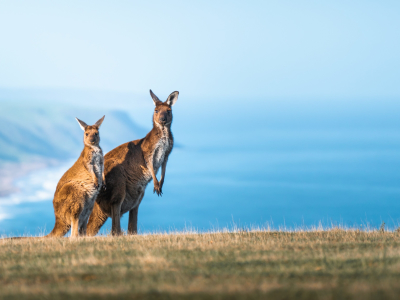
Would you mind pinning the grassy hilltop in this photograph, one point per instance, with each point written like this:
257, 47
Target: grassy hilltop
333, 264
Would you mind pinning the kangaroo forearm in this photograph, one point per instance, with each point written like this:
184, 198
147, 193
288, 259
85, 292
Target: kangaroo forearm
153, 175
95, 178
163, 169
150, 167
93, 174
102, 171
162, 174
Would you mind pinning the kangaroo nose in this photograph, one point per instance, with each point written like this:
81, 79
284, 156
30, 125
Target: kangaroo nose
164, 119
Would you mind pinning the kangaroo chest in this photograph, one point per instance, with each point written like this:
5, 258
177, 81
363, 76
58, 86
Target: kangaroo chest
160, 150
97, 162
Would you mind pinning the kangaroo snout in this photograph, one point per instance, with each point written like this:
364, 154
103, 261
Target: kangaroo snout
163, 115
94, 139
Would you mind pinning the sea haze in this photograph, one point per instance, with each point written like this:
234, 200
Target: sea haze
246, 163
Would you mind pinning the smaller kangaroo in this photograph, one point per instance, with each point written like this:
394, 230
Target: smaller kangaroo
77, 189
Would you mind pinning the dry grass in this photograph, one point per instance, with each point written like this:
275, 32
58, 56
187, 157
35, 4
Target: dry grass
332, 264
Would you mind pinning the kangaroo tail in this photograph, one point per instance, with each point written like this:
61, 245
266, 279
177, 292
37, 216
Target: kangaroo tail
60, 229
96, 220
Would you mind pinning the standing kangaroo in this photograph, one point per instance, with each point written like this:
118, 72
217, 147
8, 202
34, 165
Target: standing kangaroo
77, 189
130, 167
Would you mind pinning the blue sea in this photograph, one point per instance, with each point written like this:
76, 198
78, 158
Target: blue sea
245, 163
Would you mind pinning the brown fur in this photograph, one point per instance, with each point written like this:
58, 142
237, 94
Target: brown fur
130, 167
78, 187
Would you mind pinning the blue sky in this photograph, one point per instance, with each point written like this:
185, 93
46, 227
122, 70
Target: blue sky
209, 49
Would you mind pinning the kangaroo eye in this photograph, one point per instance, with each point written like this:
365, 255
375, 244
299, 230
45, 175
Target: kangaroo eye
96, 134
87, 134
156, 111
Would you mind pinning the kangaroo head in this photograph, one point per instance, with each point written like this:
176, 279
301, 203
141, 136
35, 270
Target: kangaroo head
163, 113
91, 137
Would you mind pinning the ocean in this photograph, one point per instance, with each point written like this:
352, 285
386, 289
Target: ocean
279, 164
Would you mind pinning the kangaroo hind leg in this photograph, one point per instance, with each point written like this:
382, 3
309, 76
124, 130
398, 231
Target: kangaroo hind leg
74, 227
82, 228
116, 219
76, 208
96, 220
116, 202
133, 217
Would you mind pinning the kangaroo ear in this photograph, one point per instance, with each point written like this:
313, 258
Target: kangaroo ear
82, 124
154, 97
172, 98
98, 123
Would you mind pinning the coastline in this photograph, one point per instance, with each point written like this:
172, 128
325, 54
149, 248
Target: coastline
12, 182
10, 172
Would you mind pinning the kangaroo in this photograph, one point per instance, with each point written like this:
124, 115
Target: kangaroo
78, 187
130, 167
